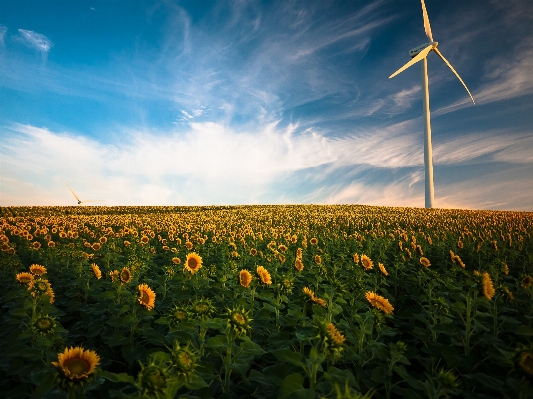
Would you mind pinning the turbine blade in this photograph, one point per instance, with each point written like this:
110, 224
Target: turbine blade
427, 26
456, 74
72, 191
419, 57
92, 201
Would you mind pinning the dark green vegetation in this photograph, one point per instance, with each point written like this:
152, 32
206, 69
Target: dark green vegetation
461, 327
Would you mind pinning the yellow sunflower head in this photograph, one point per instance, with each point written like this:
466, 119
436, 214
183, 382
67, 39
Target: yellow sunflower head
25, 278
96, 271
487, 287
425, 262
356, 258
245, 278
366, 262
37, 270
76, 363
125, 275
298, 264
193, 262
382, 269
264, 275
308, 293
313, 241
379, 302
146, 297
317, 259
526, 362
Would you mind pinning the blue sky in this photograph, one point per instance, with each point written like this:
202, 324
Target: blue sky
275, 102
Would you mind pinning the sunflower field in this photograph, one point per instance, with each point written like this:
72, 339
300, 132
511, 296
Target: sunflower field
301, 301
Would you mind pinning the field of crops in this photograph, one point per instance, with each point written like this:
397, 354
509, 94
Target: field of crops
304, 301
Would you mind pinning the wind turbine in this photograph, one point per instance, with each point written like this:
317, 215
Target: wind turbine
420, 54
79, 201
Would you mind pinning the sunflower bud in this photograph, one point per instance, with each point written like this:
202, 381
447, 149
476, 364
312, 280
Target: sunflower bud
239, 320
44, 325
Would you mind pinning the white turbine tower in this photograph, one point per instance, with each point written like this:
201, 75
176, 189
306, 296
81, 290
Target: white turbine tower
79, 201
417, 54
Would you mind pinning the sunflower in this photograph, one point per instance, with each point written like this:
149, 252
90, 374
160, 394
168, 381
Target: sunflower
264, 275
299, 253
458, 259
382, 269
37, 270
125, 275
367, 262
317, 259
313, 241
505, 269
508, 294
460, 244
153, 380
202, 308
96, 246
308, 293
298, 264
51, 244
176, 260
319, 301
188, 245
179, 314
425, 262
239, 320
379, 302
127, 243
184, 360
488, 289
146, 297
145, 240
452, 256
25, 278
253, 251
334, 335
77, 364
103, 240
44, 325
113, 274
36, 245
526, 362
526, 281
245, 277
193, 262
356, 258
96, 271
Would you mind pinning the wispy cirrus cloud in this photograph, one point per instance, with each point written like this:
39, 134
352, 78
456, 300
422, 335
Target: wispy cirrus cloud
213, 164
35, 40
3, 31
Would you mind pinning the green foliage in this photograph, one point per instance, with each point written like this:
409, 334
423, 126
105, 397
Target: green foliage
450, 333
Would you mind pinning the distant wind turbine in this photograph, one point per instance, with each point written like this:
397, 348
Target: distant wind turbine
79, 201
417, 54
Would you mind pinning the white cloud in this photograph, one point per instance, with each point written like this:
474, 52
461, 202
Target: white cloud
35, 40
3, 31
212, 164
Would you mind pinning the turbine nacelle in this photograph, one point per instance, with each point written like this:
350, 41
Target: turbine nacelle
414, 52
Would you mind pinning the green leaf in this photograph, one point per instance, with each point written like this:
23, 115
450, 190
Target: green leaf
524, 330
485, 381
378, 375
292, 387
122, 377
196, 382
288, 356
